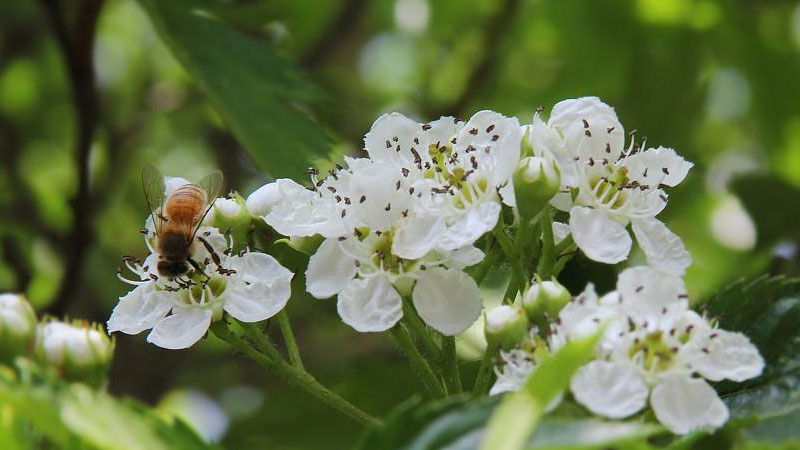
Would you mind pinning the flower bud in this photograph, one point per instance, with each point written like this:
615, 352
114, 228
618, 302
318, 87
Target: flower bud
536, 181
232, 214
78, 351
17, 327
505, 326
544, 299
260, 202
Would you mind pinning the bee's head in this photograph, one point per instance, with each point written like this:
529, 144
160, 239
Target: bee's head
172, 269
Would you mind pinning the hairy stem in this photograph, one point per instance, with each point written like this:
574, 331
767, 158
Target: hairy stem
300, 378
288, 338
548, 259
484, 374
518, 277
452, 377
418, 363
420, 331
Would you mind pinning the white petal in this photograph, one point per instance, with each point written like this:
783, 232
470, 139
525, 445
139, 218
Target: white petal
663, 248
260, 202
447, 299
370, 304
476, 222
560, 231
329, 270
139, 310
171, 184
609, 389
685, 404
589, 126
383, 205
663, 166
501, 134
464, 257
395, 130
260, 289
182, 329
648, 292
300, 212
598, 235
416, 236
729, 356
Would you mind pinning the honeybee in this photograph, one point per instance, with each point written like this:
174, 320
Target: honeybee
177, 218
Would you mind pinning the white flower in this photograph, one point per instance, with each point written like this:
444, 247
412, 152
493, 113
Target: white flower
615, 186
654, 345
456, 171
518, 364
249, 286
515, 370
367, 277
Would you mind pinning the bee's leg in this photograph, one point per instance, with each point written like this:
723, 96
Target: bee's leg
197, 267
214, 255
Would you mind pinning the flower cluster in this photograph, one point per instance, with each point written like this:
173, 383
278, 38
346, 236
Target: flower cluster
606, 186
402, 223
652, 346
392, 235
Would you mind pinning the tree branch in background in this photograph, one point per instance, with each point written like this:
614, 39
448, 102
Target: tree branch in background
336, 35
78, 49
484, 69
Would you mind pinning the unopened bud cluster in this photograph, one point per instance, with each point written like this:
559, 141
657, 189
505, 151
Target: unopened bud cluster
78, 351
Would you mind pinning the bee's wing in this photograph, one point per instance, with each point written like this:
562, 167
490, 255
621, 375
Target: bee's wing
212, 185
153, 184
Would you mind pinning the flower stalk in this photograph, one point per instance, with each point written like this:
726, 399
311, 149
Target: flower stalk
452, 378
269, 358
418, 362
288, 338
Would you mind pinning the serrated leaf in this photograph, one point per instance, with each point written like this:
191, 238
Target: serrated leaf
459, 424
256, 92
767, 310
773, 215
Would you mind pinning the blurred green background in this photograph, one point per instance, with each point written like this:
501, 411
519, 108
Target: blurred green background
717, 81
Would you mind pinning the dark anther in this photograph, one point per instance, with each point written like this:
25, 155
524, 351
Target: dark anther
473, 131
362, 199
585, 124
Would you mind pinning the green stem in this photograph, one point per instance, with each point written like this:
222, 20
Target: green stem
565, 245
518, 278
288, 338
484, 374
491, 254
548, 259
298, 377
418, 363
420, 331
452, 378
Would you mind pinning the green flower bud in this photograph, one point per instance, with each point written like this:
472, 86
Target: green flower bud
505, 326
17, 327
78, 351
545, 299
536, 181
232, 214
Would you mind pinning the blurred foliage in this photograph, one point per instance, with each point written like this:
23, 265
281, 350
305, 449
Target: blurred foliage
273, 81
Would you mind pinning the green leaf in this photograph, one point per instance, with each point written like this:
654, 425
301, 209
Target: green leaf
256, 92
75, 416
458, 423
519, 412
773, 214
767, 310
